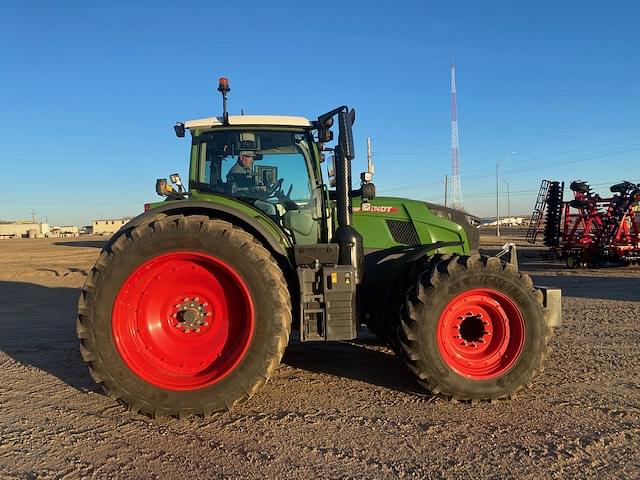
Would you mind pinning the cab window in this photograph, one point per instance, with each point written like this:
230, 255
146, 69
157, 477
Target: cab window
270, 170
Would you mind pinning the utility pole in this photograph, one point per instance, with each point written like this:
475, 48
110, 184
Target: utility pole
446, 186
33, 216
497, 202
508, 201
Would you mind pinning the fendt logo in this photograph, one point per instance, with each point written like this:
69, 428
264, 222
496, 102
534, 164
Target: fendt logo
367, 207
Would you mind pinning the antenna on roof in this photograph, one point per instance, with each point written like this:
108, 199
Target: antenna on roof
223, 87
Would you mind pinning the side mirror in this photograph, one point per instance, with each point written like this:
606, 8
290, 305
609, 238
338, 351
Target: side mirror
177, 181
345, 121
162, 187
179, 129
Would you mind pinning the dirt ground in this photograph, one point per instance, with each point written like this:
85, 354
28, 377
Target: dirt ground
338, 410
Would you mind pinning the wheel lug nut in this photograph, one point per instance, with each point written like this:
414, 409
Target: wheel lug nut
195, 299
185, 299
205, 324
205, 304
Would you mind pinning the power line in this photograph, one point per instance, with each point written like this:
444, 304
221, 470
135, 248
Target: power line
470, 175
443, 152
545, 165
527, 192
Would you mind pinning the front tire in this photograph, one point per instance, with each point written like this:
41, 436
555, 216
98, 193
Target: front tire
473, 328
573, 260
186, 315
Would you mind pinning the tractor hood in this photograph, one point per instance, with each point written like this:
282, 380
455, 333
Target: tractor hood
388, 222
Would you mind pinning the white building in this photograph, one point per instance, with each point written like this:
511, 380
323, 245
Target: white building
64, 231
108, 227
23, 229
508, 222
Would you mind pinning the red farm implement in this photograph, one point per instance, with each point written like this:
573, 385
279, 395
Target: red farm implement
589, 230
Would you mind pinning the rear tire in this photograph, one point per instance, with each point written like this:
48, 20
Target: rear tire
185, 315
573, 261
473, 328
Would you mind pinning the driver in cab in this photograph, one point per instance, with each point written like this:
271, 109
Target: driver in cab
241, 176
242, 181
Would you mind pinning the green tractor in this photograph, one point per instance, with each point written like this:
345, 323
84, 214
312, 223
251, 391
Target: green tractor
190, 306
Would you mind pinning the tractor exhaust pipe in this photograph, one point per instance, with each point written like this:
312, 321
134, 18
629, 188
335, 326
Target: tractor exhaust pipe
348, 239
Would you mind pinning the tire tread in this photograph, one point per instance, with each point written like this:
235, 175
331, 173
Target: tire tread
418, 299
123, 240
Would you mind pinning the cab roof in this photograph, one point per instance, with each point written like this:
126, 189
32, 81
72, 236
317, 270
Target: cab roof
271, 120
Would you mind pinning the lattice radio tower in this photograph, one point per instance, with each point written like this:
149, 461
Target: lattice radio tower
455, 146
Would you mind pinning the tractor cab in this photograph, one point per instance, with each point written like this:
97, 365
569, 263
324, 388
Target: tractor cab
272, 163
268, 162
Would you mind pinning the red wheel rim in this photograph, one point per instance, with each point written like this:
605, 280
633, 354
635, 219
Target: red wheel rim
480, 333
183, 320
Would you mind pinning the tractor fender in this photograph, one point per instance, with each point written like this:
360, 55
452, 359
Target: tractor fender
386, 276
276, 244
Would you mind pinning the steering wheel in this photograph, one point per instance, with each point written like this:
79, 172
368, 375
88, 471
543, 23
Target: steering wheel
285, 199
274, 189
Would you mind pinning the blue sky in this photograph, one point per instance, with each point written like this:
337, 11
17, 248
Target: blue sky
89, 92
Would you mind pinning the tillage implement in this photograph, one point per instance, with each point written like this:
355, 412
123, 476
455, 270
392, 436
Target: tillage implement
589, 230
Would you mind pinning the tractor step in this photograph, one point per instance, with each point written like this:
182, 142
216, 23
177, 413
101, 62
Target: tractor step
327, 303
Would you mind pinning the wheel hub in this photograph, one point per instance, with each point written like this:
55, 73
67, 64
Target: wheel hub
472, 329
190, 315
481, 333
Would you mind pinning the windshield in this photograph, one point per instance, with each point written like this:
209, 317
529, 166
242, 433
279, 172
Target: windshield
270, 170
255, 164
